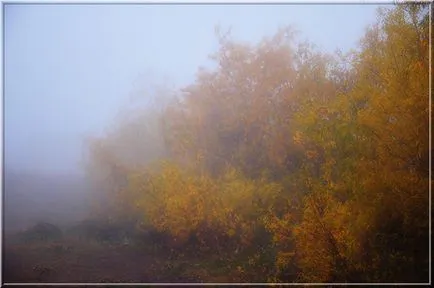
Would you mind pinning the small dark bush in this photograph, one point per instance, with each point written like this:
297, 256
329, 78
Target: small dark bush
101, 231
41, 232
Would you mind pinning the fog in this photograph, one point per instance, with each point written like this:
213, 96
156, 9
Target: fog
216, 143
77, 72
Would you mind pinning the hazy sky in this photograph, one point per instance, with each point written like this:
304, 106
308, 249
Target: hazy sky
70, 68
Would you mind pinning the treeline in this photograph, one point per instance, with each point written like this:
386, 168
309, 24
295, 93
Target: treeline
300, 165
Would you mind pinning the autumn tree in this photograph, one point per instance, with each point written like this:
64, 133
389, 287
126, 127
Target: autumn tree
366, 213
313, 165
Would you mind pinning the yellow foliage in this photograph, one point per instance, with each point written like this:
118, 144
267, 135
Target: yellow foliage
180, 203
329, 156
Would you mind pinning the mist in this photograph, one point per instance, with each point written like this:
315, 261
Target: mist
74, 72
116, 114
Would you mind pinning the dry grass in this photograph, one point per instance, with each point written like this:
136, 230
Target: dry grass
72, 260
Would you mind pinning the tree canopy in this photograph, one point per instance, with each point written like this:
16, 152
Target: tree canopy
313, 165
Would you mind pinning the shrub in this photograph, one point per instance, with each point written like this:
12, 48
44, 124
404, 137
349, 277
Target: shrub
41, 232
211, 213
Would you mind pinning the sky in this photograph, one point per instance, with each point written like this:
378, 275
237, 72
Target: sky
70, 69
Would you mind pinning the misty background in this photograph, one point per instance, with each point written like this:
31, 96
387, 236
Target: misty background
71, 72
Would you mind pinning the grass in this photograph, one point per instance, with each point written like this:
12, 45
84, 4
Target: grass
75, 257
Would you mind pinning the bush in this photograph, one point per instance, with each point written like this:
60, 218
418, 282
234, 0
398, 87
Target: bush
101, 231
212, 213
41, 232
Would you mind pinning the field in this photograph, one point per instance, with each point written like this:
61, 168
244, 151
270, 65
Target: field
71, 259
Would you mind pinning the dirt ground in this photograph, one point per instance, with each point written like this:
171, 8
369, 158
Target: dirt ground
86, 262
